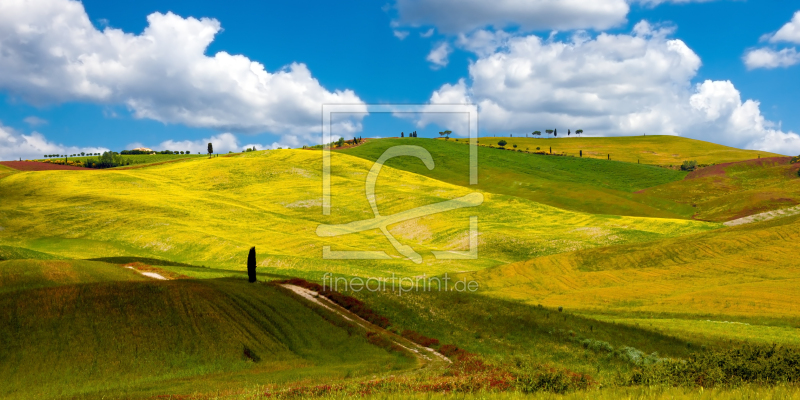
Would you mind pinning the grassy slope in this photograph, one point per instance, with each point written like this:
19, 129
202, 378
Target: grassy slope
745, 271
137, 339
18, 253
735, 190
16, 275
140, 158
580, 184
655, 150
6, 171
211, 211
507, 331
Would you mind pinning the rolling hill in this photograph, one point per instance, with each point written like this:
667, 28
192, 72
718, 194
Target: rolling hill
209, 212
747, 271
654, 149
734, 190
130, 338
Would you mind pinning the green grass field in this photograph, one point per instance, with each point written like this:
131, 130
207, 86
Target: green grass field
6, 171
572, 183
118, 334
636, 255
736, 190
209, 212
654, 149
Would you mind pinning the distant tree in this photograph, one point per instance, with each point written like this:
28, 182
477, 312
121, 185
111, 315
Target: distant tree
581, 153
401, 134
446, 134
555, 132
502, 143
568, 132
579, 131
515, 146
340, 142
689, 165
549, 131
210, 148
536, 133
82, 153
251, 265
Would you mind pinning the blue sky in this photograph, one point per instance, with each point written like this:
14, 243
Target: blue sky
102, 75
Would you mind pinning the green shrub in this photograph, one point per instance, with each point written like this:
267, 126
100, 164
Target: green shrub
597, 345
551, 380
502, 143
758, 364
689, 165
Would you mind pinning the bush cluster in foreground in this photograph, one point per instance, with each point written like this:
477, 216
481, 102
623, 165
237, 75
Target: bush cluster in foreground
757, 364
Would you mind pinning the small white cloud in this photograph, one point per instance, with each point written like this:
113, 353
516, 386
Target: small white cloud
15, 146
769, 58
400, 34
483, 42
34, 121
439, 55
789, 32
427, 33
653, 3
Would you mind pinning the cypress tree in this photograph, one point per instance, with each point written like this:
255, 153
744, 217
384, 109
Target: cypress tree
251, 265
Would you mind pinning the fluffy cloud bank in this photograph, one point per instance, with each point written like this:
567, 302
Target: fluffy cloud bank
50, 53
610, 85
463, 16
766, 57
15, 145
455, 16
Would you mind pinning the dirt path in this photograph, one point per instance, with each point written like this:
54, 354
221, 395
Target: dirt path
424, 354
149, 274
764, 216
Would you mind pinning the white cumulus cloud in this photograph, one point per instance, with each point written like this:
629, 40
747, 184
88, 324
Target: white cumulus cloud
400, 34
769, 58
15, 145
611, 85
51, 53
457, 16
766, 57
439, 55
789, 32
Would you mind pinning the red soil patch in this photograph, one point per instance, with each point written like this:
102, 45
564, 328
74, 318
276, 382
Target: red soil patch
39, 166
719, 169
